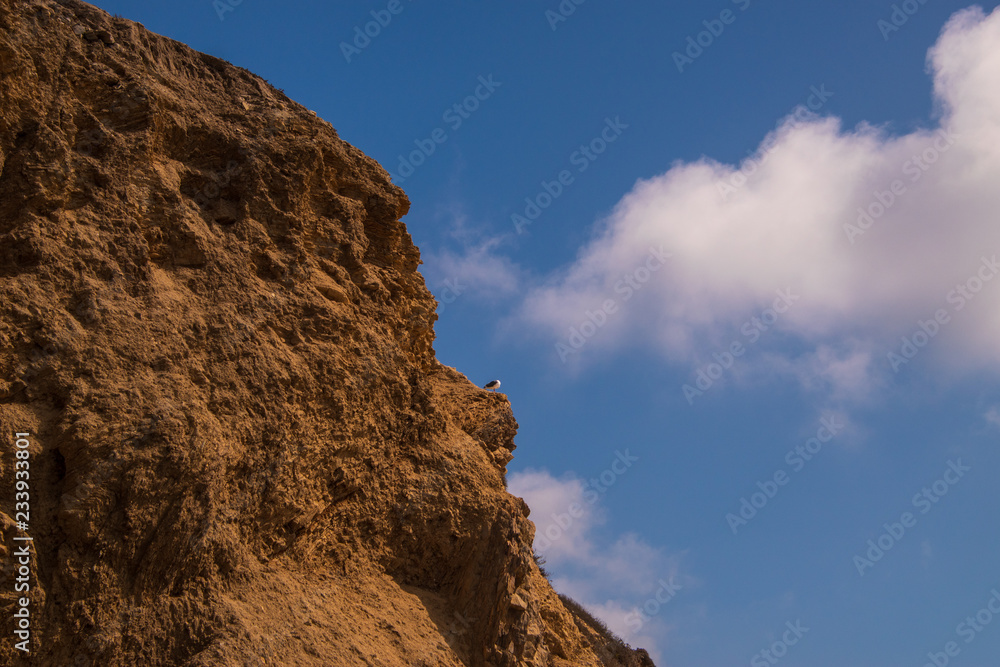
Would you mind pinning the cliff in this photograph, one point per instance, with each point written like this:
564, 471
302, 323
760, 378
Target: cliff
242, 448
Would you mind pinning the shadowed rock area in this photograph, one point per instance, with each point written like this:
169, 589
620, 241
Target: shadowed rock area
243, 450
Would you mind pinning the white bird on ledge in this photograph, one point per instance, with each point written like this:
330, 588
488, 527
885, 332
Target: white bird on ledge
492, 385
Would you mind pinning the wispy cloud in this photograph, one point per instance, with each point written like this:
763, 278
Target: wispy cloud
479, 269
472, 265
993, 415
844, 372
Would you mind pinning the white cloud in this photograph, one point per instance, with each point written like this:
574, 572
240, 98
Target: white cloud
610, 577
651, 636
993, 415
795, 224
476, 268
843, 371
563, 536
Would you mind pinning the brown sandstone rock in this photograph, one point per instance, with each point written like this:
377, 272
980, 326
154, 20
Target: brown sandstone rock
211, 322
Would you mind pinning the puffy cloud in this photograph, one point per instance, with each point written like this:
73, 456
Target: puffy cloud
549, 499
613, 578
874, 233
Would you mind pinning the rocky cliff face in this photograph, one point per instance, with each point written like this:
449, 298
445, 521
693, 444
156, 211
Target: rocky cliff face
243, 451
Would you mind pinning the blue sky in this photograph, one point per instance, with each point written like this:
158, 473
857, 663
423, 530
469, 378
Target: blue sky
642, 146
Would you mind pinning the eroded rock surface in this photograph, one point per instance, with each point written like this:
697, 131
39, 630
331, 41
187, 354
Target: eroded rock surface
243, 451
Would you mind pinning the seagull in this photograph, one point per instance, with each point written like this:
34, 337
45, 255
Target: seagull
492, 385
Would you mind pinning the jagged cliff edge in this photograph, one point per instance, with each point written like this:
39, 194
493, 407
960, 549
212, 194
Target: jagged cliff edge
243, 450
